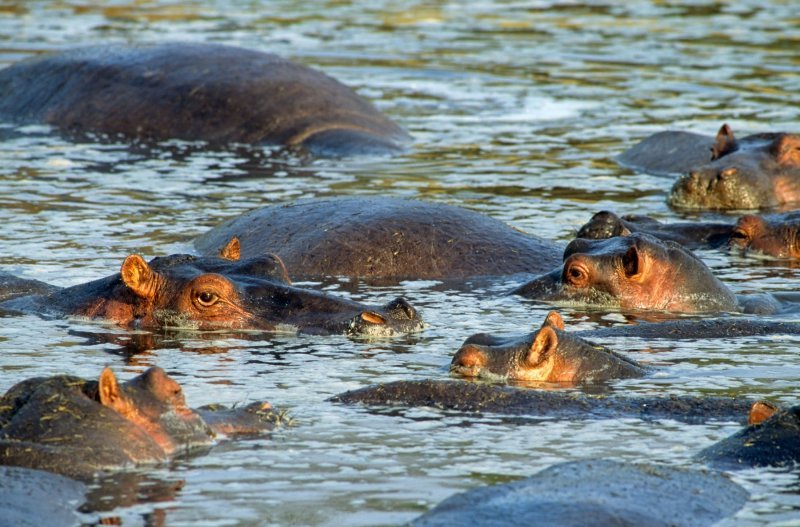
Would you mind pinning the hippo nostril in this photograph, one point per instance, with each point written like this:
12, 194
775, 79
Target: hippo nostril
372, 317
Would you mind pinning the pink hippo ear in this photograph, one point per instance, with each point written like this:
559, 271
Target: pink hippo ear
760, 412
108, 389
632, 262
554, 320
138, 276
232, 251
787, 150
544, 344
725, 143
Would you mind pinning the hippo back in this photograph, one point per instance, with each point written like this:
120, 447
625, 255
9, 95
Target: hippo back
384, 239
191, 91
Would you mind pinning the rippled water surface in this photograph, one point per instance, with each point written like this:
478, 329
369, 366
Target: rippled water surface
517, 109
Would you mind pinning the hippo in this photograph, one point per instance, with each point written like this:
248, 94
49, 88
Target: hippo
639, 273
32, 498
77, 427
772, 235
473, 397
384, 240
547, 355
692, 235
772, 439
194, 91
723, 173
595, 492
208, 293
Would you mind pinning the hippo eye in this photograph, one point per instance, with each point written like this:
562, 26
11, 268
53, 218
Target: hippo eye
207, 298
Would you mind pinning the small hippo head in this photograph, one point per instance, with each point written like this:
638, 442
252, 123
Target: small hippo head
635, 272
217, 293
547, 355
771, 237
154, 402
761, 173
604, 224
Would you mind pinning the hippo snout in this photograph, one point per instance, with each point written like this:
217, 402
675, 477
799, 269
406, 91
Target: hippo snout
400, 309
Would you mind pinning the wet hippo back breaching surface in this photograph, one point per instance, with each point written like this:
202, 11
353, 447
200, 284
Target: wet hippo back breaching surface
194, 91
384, 239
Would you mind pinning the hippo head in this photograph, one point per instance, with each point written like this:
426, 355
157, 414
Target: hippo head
777, 237
546, 355
761, 173
154, 402
217, 293
604, 224
635, 272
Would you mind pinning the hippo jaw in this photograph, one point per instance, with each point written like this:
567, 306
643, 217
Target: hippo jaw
279, 306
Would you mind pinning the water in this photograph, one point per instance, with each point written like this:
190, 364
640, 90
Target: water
516, 109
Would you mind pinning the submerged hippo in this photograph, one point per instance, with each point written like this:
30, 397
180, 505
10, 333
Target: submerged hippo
384, 239
548, 355
639, 272
471, 397
772, 235
595, 492
757, 171
76, 427
772, 439
214, 293
194, 91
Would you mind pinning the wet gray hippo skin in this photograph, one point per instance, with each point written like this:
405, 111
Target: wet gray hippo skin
34, 498
723, 173
217, 293
194, 91
774, 442
384, 240
470, 397
595, 492
77, 427
771, 235
638, 273
547, 355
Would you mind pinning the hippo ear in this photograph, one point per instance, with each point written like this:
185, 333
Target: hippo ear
138, 276
232, 250
631, 262
108, 388
725, 143
554, 320
760, 412
786, 150
544, 343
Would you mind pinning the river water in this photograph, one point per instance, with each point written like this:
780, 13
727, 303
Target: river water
517, 109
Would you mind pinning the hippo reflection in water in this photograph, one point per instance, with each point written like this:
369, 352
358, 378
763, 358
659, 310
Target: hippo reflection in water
775, 235
639, 272
76, 427
217, 293
548, 355
758, 171
194, 91
384, 240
